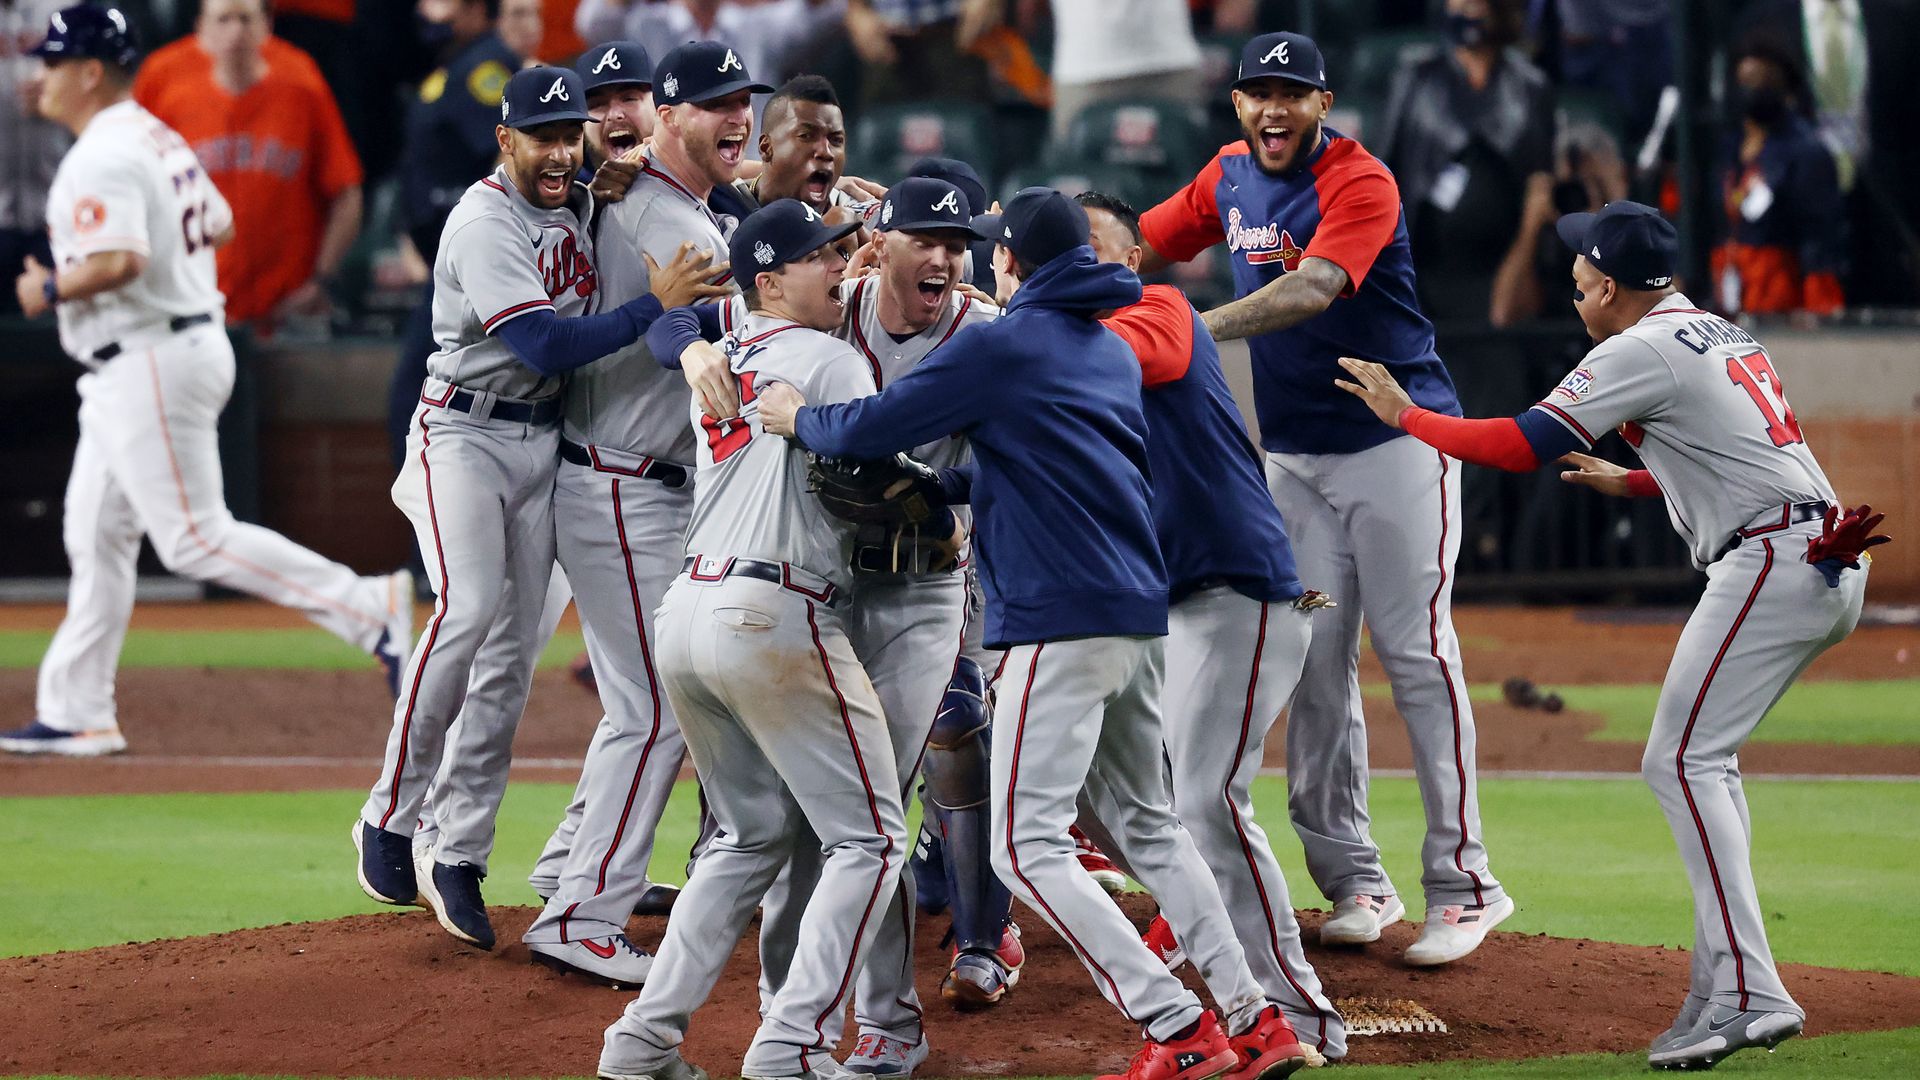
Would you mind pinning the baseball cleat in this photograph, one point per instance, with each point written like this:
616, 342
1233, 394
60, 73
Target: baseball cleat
1358, 920
1721, 1031
656, 899
1454, 930
396, 639
385, 865
1159, 938
453, 892
1202, 1054
38, 738
878, 1055
975, 981
1096, 864
626, 1057
1689, 1015
1268, 1050
614, 961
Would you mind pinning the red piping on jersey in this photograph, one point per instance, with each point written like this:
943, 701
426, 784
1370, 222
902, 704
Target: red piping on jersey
1240, 826
1680, 768
758, 338
433, 632
489, 181
1453, 697
859, 336
1678, 311
873, 808
1013, 849
487, 327
1567, 418
966, 302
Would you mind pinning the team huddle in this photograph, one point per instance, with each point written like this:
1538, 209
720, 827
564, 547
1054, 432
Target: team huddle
864, 491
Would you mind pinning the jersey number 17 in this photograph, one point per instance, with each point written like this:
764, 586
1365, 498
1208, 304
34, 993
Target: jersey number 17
1754, 373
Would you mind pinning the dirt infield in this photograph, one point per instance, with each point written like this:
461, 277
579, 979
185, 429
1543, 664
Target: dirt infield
392, 995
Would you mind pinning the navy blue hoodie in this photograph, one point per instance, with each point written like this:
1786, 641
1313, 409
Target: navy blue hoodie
1050, 400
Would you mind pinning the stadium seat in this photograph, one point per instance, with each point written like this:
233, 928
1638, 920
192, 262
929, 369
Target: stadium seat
1155, 137
1076, 177
889, 139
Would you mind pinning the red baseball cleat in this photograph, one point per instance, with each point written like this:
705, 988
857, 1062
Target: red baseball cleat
1268, 1050
1203, 1054
1159, 938
1096, 864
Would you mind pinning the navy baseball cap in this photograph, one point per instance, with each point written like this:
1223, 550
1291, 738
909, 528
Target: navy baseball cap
615, 63
1629, 242
777, 234
921, 202
1038, 225
85, 32
1282, 55
701, 71
543, 95
959, 174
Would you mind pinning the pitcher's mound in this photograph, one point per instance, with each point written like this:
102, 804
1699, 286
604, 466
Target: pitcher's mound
393, 995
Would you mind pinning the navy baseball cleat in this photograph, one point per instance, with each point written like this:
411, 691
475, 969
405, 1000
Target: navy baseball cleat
38, 738
386, 865
453, 892
657, 899
975, 981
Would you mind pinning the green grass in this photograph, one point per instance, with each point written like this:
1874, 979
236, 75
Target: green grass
1855, 713
288, 649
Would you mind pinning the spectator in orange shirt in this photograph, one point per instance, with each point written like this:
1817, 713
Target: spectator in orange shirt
266, 128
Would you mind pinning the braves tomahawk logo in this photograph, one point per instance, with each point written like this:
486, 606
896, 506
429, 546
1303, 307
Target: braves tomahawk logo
1262, 244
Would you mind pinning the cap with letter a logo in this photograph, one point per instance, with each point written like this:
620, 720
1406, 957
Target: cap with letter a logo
615, 63
543, 95
922, 203
779, 233
701, 71
1282, 55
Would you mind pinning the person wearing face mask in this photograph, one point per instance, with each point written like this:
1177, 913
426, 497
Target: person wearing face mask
1785, 244
1468, 133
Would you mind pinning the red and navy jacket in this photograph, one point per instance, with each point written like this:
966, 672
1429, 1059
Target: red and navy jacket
1210, 504
1340, 204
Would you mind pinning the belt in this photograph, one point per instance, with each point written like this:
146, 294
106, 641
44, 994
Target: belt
1786, 516
519, 412
672, 476
779, 573
174, 325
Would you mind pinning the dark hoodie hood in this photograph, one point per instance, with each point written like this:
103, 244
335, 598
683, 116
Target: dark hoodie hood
1077, 282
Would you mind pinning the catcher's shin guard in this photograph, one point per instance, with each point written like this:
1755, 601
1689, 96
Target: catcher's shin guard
957, 795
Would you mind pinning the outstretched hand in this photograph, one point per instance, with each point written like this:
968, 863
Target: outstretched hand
689, 277
1602, 476
779, 404
1375, 385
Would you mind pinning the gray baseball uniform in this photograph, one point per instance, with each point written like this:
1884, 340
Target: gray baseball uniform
1698, 399
783, 725
479, 491
906, 629
621, 508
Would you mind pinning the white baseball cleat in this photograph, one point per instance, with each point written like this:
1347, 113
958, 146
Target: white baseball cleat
1454, 930
1721, 1031
611, 960
880, 1055
38, 738
617, 1061
1358, 920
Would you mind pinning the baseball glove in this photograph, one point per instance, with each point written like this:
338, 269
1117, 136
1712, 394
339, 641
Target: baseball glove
893, 491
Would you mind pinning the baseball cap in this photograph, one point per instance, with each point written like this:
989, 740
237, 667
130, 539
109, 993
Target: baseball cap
615, 63
1282, 55
1038, 225
86, 32
959, 174
543, 95
921, 202
701, 71
777, 234
1629, 242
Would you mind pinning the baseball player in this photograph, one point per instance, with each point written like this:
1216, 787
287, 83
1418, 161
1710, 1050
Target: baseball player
803, 147
1699, 401
514, 282
1077, 594
1238, 625
906, 622
133, 222
784, 727
621, 503
1318, 244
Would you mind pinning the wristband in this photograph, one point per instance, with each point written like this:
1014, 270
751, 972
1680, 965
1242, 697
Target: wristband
51, 290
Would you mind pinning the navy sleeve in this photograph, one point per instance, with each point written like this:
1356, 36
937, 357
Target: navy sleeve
945, 393
679, 328
956, 484
1549, 438
550, 344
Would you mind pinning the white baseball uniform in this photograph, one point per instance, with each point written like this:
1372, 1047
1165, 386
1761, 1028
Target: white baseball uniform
783, 725
478, 488
159, 370
1700, 402
621, 507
